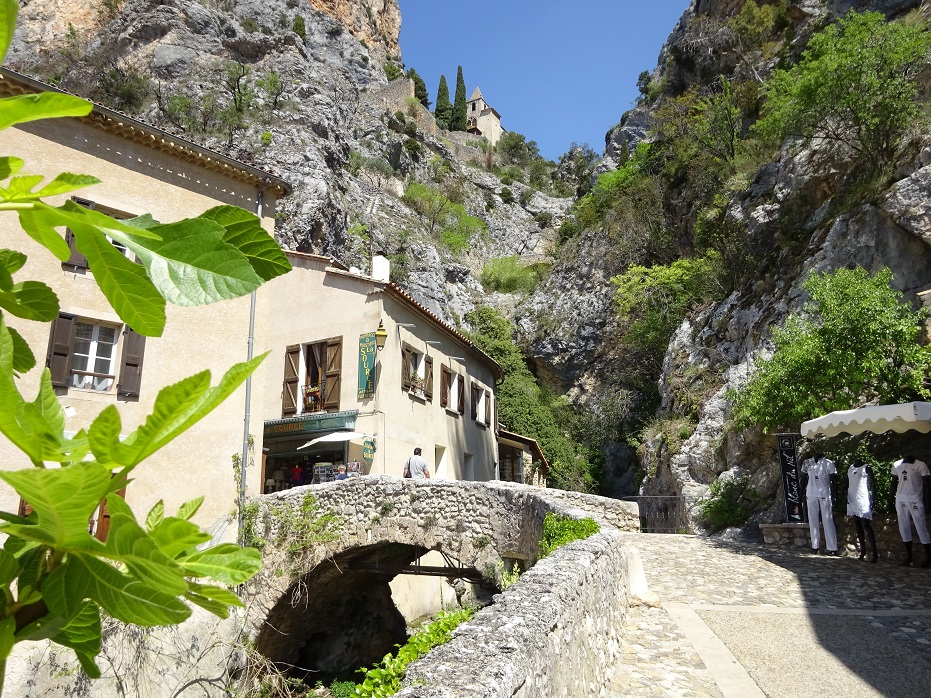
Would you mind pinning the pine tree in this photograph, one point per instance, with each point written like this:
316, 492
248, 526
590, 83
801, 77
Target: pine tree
459, 118
444, 108
420, 88
298, 27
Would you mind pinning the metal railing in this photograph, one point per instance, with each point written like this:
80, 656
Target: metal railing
660, 513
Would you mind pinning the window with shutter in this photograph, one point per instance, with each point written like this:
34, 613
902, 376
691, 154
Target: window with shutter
334, 360
405, 368
460, 386
61, 345
292, 361
77, 261
487, 408
445, 380
428, 377
476, 399
131, 364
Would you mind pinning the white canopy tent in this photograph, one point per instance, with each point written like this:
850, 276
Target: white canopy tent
877, 419
337, 436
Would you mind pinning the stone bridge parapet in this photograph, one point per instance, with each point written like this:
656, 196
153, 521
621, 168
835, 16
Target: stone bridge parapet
574, 599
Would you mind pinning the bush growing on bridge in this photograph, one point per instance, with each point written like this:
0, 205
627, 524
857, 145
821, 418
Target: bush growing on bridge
384, 679
559, 530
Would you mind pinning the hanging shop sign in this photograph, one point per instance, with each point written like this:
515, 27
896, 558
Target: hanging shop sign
368, 450
788, 459
367, 351
296, 426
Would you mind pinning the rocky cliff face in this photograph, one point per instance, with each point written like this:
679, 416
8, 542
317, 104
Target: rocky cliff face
168, 62
789, 214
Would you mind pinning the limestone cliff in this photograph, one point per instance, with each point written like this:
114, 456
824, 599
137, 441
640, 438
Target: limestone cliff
794, 223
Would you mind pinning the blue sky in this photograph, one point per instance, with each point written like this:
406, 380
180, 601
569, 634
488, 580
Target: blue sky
556, 71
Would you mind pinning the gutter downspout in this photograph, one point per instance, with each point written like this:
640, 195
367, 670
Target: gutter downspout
259, 204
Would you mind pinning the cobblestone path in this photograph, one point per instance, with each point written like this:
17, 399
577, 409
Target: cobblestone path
742, 620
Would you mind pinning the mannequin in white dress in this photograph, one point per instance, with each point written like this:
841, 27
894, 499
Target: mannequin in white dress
860, 488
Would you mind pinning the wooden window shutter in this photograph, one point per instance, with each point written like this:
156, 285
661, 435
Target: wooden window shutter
496, 422
292, 362
76, 260
60, 347
444, 385
428, 377
487, 407
476, 396
334, 362
130, 379
102, 527
461, 387
405, 369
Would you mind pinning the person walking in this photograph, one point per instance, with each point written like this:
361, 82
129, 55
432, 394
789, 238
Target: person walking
821, 475
911, 487
416, 467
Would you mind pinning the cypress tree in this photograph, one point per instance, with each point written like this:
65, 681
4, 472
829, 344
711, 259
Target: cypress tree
420, 88
459, 118
444, 108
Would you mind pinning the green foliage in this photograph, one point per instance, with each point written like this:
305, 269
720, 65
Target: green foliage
299, 28
56, 576
514, 149
855, 84
856, 343
296, 528
266, 138
756, 24
273, 87
724, 507
443, 111
413, 148
654, 300
508, 275
507, 196
559, 530
576, 167
444, 217
248, 25
525, 197
543, 218
527, 409
393, 71
384, 679
125, 87
459, 118
343, 689
420, 88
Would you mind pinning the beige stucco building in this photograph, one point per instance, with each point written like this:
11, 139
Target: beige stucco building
96, 359
429, 387
482, 119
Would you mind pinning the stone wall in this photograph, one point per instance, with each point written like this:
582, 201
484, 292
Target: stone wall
556, 632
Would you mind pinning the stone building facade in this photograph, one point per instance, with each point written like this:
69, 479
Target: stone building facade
482, 119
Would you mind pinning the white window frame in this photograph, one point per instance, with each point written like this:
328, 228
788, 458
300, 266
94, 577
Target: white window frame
452, 399
480, 408
92, 357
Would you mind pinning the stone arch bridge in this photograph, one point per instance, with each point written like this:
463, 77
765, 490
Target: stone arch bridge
328, 605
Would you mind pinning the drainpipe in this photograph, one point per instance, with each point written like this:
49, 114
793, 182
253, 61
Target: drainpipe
245, 429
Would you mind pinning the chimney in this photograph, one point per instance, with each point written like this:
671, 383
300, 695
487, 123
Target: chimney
381, 268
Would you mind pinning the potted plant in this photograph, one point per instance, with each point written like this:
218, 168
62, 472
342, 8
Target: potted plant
312, 397
416, 383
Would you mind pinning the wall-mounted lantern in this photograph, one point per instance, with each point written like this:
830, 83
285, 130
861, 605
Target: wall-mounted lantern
381, 334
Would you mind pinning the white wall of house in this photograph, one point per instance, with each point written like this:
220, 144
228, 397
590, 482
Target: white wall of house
138, 179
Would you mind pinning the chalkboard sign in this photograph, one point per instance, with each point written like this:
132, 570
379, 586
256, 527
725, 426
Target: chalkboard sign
788, 459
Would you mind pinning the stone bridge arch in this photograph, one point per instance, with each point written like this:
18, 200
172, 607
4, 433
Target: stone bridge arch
329, 607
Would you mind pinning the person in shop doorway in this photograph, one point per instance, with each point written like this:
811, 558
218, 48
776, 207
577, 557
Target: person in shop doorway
341, 473
819, 478
416, 467
297, 474
860, 489
911, 487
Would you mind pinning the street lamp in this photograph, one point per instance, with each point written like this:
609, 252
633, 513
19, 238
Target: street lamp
381, 334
